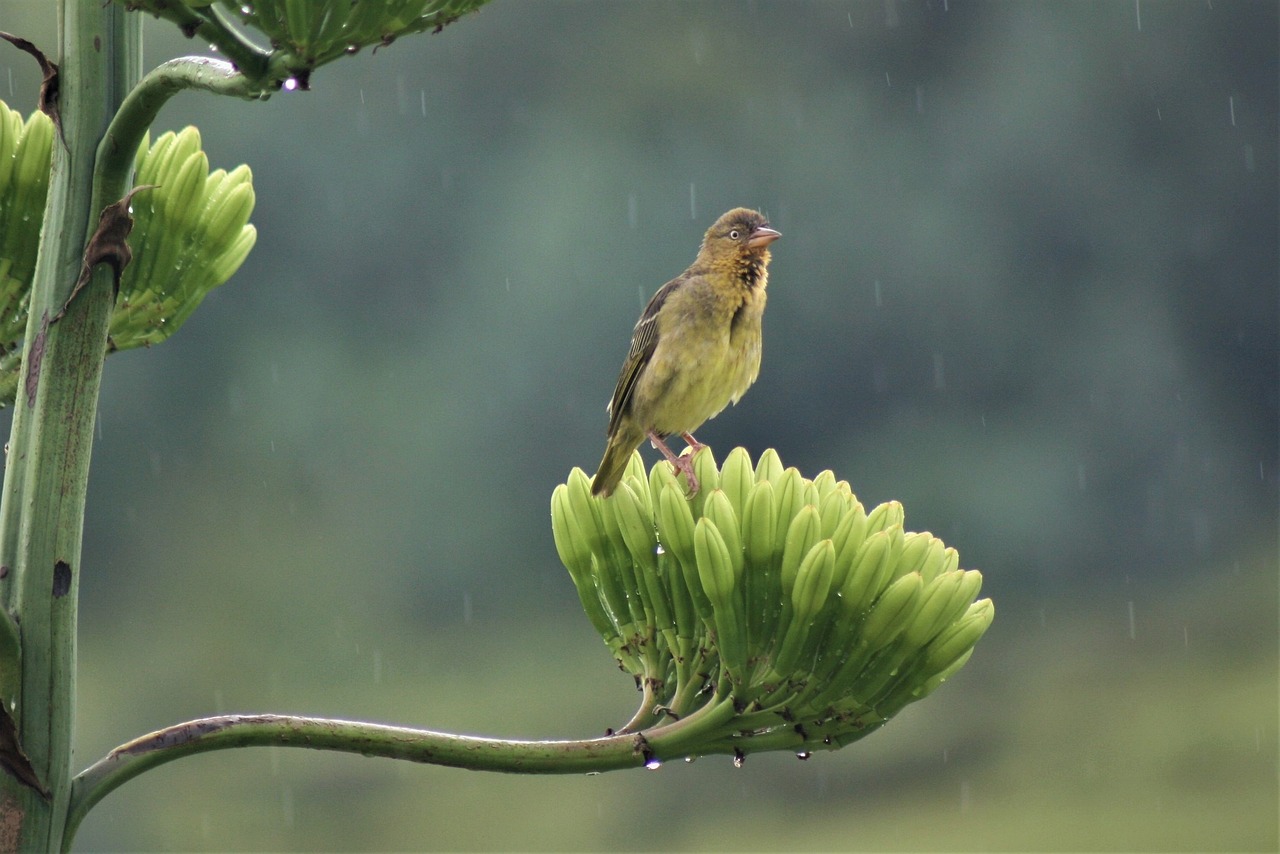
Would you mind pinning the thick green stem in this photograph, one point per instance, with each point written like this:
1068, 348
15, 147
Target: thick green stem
436, 748
46, 475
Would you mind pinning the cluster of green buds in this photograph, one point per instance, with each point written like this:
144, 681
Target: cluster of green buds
768, 611
305, 34
24, 185
191, 233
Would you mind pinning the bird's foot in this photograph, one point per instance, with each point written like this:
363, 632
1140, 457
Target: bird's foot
682, 463
694, 444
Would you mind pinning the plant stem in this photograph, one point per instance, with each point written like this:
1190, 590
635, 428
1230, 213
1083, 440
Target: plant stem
46, 476
137, 112
416, 745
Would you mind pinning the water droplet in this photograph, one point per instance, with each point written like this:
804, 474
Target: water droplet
803, 755
659, 550
653, 764
739, 758
291, 84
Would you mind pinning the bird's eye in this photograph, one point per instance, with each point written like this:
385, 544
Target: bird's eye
734, 235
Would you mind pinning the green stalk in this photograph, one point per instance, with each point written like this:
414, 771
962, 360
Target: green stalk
42, 506
436, 748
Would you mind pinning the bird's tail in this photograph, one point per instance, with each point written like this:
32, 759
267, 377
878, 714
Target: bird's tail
616, 456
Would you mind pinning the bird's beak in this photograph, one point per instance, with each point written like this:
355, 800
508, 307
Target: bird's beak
762, 236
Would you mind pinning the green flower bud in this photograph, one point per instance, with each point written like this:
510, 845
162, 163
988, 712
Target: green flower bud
759, 524
676, 535
935, 609
812, 582
715, 565
892, 612
635, 523
675, 521
807, 597
954, 595
846, 539
959, 637
805, 530
769, 467
737, 479
704, 468
873, 569
915, 546
824, 483
789, 495
636, 475
715, 570
950, 560
571, 544
832, 509
718, 510
884, 517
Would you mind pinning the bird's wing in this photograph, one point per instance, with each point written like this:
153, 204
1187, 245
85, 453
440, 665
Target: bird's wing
644, 340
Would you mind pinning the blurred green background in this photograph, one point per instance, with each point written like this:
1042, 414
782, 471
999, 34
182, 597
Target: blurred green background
1028, 287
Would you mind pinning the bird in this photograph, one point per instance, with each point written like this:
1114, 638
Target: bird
695, 349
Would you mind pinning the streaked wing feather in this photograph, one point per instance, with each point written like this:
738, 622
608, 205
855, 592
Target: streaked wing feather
644, 340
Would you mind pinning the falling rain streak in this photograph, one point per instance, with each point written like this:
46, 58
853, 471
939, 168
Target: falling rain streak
693, 201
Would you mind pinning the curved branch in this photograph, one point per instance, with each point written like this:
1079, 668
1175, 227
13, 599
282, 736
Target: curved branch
416, 745
120, 144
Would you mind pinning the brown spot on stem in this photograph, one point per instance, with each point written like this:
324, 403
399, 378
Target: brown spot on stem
61, 579
49, 83
35, 357
13, 759
109, 245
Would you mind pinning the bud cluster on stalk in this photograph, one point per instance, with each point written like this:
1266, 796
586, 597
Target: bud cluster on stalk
24, 185
305, 34
191, 232
772, 608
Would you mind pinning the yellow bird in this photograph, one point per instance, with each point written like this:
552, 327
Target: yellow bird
695, 349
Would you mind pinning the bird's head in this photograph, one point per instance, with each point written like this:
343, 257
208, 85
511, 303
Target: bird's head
739, 233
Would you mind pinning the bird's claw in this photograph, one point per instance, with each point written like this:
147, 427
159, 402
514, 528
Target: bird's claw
684, 463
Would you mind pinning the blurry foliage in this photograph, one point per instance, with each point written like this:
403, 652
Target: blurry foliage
1027, 287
